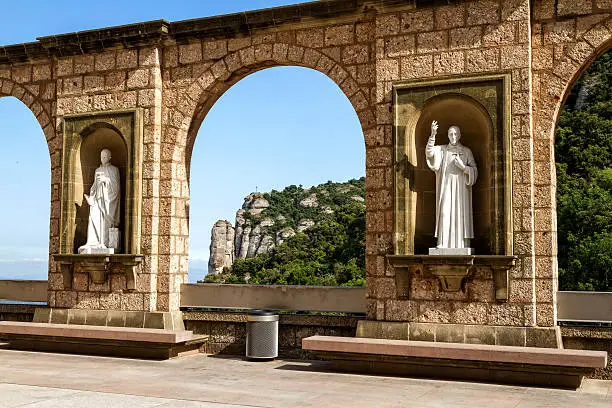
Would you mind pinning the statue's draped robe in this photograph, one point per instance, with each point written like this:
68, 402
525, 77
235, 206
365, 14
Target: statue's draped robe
454, 218
104, 208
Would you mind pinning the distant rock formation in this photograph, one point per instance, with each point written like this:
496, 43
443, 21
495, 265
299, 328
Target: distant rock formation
283, 234
304, 224
585, 89
221, 247
260, 226
244, 240
310, 201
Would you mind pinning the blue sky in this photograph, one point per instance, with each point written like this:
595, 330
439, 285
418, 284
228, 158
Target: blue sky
277, 127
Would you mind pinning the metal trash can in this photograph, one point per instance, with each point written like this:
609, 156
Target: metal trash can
262, 335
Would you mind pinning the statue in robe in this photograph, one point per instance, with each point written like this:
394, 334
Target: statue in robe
456, 173
103, 199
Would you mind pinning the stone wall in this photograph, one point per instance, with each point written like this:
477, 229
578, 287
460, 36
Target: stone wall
113, 81
590, 338
16, 312
175, 72
227, 331
108, 81
565, 39
464, 39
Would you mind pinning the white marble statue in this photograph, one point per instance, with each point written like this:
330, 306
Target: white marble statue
104, 215
456, 173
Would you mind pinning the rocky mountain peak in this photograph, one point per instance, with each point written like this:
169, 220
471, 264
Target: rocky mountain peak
221, 247
255, 203
266, 220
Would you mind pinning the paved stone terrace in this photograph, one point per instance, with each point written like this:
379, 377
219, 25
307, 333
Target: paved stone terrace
45, 380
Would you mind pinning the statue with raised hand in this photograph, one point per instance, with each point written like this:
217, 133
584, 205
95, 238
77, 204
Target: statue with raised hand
456, 173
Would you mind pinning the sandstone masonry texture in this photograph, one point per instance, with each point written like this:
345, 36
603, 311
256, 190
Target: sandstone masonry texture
544, 45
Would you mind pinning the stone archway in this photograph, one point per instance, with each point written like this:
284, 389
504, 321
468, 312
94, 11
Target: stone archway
204, 91
553, 83
32, 97
553, 78
175, 71
193, 100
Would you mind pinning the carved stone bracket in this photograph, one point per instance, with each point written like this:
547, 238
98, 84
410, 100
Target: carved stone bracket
98, 267
450, 270
500, 266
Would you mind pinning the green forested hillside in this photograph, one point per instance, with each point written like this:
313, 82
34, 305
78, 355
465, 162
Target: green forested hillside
583, 153
330, 253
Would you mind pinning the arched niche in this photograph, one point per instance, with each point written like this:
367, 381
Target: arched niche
97, 137
476, 133
85, 136
480, 109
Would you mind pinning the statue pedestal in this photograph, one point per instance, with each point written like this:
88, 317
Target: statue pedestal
98, 266
114, 239
451, 251
450, 271
96, 251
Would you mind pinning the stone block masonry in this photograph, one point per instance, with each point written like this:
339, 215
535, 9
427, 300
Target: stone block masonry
174, 73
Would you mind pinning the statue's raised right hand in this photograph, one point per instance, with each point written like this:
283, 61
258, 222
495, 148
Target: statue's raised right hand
434, 128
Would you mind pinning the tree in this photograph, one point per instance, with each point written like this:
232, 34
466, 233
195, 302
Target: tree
583, 153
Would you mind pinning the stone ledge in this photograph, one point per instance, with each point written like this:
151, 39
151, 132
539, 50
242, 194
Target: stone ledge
111, 318
95, 332
451, 271
98, 267
284, 319
103, 340
459, 351
524, 365
539, 337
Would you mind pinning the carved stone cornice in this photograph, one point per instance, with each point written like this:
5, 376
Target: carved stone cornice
451, 271
158, 32
98, 267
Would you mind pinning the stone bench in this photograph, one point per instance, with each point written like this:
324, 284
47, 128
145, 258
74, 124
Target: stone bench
505, 364
101, 340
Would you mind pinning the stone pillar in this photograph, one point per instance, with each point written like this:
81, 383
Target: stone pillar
463, 40
150, 101
102, 89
